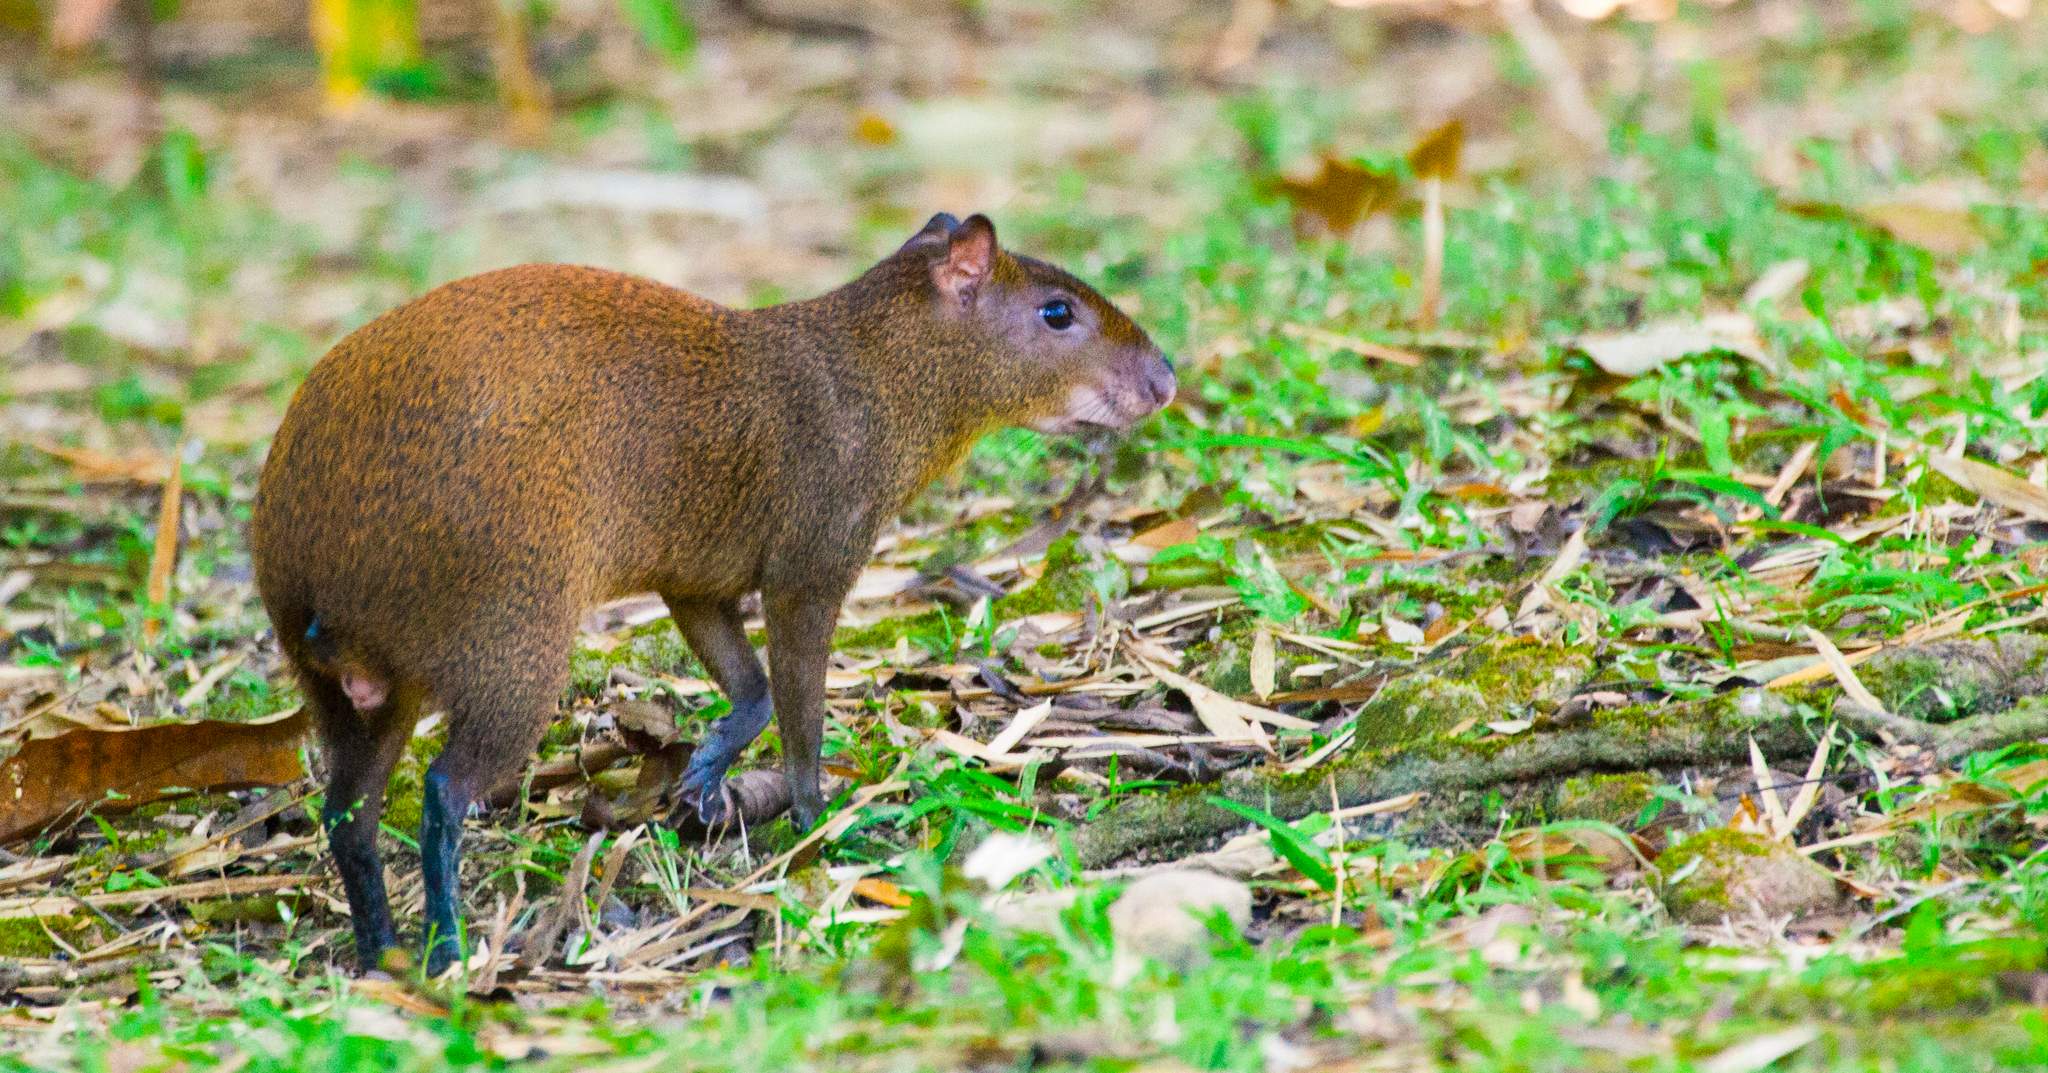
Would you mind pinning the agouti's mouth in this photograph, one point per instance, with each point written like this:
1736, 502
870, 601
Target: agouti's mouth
1087, 428
1093, 414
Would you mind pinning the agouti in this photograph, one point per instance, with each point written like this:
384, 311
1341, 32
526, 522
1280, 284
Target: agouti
458, 480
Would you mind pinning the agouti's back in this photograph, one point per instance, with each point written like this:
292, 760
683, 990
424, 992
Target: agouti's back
545, 420
459, 479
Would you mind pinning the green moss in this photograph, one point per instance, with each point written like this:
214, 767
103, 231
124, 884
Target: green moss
27, 939
976, 539
1724, 871
257, 909
1488, 683
402, 800
1916, 685
1184, 573
1418, 707
1070, 578
1714, 851
653, 648
886, 633
1615, 799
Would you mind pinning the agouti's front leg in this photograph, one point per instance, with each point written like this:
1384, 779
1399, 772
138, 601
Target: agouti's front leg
717, 633
799, 649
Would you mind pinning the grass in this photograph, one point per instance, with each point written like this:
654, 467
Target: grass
172, 295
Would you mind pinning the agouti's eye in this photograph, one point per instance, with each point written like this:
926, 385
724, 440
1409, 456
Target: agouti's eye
1057, 315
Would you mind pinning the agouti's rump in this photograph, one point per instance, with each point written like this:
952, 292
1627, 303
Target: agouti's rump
458, 480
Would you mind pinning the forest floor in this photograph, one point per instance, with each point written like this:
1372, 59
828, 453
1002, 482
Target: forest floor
1609, 638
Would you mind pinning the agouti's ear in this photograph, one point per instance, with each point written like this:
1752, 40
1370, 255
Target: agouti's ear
933, 234
970, 257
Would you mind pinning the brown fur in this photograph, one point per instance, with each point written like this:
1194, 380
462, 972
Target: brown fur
458, 480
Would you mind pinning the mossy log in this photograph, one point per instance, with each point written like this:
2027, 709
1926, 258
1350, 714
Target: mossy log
1459, 773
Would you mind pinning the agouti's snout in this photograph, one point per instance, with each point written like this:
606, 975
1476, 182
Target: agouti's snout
458, 480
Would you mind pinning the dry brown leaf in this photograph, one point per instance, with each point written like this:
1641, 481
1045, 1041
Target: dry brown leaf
877, 889
1568, 559
1767, 790
95, 467
57, 905
164, 555
1608, 852
1436, 154
1025, 721
1992, 483
1633, 353
1340, 194
1845, 676
1364, 348
1937, 229
1169, 534
1228, 719
52, 778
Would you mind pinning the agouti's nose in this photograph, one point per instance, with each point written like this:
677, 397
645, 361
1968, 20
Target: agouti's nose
1159, 382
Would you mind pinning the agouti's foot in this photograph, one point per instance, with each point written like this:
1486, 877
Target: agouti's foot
441, 955
701, 795
804, 813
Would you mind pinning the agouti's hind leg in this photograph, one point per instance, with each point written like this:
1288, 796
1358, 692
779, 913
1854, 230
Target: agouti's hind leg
800, 627
494, 723
360, 748
717, 634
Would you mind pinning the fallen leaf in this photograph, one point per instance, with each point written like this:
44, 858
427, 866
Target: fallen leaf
871, 128
1224, 716
164, 555
1609, 851
1759, 1052
1004, 856
1777, 281
1169, 534
1937, 229
1634, 353
51, 778
1992, 483
1568, 559
1339, 195
1025, 721
1436, 155
1403, 632
1845, 675
1262, 664
877, 889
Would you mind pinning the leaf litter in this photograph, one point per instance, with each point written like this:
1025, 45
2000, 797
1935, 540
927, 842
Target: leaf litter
1220, 628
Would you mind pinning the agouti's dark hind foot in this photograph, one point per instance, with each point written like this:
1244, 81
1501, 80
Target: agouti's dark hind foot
700, 798
702, 790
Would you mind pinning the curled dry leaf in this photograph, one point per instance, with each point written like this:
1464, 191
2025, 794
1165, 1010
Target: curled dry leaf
49, 779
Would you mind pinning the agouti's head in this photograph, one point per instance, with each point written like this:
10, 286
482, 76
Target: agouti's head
1067, 360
